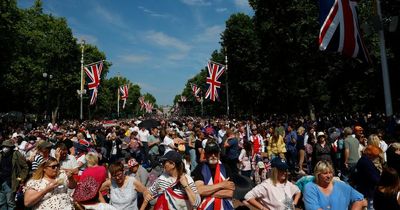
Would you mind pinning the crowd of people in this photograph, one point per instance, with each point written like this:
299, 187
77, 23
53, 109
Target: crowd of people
195, 163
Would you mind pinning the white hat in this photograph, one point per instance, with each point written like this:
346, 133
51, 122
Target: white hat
320, 134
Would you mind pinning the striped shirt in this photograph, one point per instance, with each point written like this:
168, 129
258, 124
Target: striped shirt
164, 181
37, 160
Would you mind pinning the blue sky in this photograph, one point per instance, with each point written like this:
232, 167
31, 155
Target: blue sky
158, 44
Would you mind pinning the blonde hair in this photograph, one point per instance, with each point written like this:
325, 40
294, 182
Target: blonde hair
92, 159
373, 139
39, 173
322, 167
300, 130
274, 176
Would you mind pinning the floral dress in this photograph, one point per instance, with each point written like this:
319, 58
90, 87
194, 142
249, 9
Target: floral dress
56, 199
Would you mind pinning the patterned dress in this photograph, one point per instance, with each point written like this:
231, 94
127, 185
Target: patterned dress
58, 199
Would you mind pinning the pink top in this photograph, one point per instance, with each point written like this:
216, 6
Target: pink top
274, 197
99, 173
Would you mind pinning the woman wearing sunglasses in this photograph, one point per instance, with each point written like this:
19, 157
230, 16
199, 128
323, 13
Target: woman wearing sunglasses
47, 189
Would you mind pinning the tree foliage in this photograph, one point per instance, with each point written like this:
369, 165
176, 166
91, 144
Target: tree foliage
33, 43
274, 64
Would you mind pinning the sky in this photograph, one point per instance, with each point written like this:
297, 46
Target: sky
157, 44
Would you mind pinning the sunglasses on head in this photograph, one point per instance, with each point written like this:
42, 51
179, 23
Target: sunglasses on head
54, 166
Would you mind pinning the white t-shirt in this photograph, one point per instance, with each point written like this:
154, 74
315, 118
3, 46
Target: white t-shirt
143, 134
166, 142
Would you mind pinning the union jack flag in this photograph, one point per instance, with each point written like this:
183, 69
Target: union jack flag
183, 98
148, 107
340, 30
93, 71
123, 90
214, 71
142, 103
196, 91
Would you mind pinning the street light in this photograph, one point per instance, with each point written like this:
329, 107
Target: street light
47, 77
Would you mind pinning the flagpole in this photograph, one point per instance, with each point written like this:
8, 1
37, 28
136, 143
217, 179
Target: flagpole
118, 97
226, 80
385, 72
81, 91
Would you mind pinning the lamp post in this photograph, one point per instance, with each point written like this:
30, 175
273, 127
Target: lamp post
47, 78
81, 91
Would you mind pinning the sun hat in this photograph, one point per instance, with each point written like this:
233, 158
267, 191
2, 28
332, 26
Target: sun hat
86, 189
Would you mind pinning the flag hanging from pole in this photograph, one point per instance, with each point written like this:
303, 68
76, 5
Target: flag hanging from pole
123, 90
340, 30
214, 73
196, 91
183, 98
142, 103
148, 106
93, 71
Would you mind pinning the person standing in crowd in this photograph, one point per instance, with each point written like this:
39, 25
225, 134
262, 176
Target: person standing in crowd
322, 150
291, 151
174, 188
153, 142
257, 141
47, 189
351, 154
276, 192
393, 156
123, 189
387, 192
143, 137
326, 193
212, 179
232, 150
367, 174
276, 146
245, 159
13, 172
300, 147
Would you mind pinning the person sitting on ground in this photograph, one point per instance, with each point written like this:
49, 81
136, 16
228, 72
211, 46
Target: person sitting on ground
387, 192
47, 189
276, 192
326, 193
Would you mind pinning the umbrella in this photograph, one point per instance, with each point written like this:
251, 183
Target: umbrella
149, 124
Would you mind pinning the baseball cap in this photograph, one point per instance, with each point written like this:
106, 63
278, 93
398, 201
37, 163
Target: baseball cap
279, 163
171, 156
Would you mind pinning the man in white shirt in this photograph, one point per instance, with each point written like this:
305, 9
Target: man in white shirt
168, 142
143, 135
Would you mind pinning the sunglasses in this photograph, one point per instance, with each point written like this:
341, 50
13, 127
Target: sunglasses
54, 166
